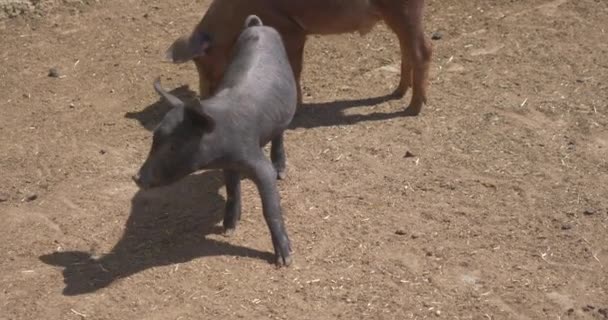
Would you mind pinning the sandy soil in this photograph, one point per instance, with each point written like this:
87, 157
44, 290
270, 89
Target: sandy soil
500, 212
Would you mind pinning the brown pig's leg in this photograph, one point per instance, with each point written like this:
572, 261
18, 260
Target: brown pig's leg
294, 44
415, 51
203, 80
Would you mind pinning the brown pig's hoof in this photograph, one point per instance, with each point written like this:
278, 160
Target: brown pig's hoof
414, 108
399, 92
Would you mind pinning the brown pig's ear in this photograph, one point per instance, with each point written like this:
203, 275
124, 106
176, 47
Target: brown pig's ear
186, 48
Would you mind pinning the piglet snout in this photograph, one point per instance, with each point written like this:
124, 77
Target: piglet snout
137, 179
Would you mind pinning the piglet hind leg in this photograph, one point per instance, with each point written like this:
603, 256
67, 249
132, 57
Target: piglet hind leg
232, 213
277, 155
264, 176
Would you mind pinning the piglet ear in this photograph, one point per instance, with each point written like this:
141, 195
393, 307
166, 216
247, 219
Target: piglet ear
202, 118
186, 48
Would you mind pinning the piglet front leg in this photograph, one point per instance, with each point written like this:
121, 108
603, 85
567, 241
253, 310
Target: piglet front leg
264, 175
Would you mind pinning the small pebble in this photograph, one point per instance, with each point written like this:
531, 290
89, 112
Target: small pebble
415, 235
589, 211
31, 197
566, 226
400, 232
3, 197
437, 35
408, 155
102, 151
54, 73
438, 313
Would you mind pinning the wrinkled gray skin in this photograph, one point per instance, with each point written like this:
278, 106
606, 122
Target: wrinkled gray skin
254, 104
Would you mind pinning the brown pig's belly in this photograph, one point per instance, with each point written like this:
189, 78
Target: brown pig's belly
331, 16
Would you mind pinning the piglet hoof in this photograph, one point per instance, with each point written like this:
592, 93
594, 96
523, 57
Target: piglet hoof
282, 253
281, 174
280, 168
229, 232
284, 261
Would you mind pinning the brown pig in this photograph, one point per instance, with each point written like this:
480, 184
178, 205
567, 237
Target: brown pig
211, 41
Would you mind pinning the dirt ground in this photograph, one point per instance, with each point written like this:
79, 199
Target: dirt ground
500, 212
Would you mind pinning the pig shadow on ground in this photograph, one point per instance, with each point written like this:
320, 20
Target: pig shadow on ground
311, 115
167, 225
326, 114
